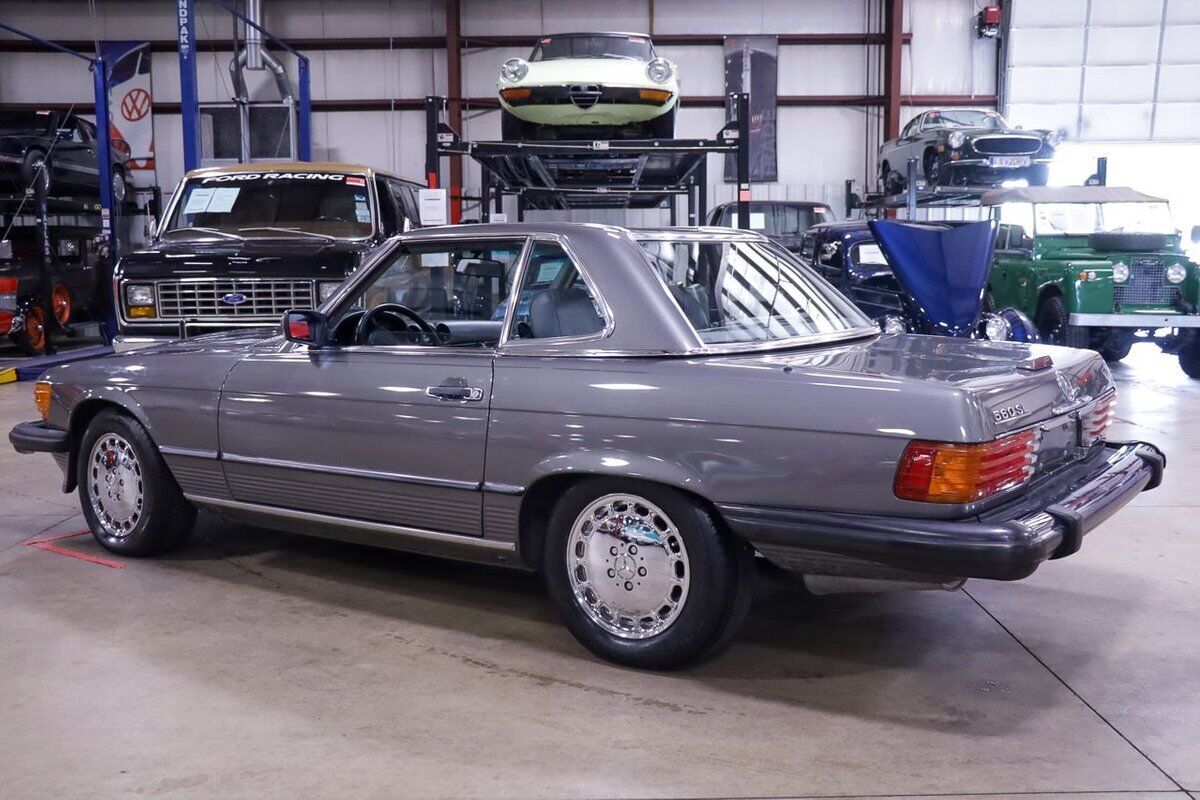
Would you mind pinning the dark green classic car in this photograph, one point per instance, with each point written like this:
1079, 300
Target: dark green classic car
1098, 267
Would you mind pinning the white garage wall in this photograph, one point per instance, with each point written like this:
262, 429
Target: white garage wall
822, 146
1106, 70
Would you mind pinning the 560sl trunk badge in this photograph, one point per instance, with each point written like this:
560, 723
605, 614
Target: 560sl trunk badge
1009, 412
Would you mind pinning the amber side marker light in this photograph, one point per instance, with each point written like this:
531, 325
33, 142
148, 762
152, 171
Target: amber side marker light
654, 95
516, 94
939, 472
41, 399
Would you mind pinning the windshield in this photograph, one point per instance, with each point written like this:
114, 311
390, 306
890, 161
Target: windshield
778, 219
592, 46
32, 121
736, 291
275, 204
1081, 219
964, 118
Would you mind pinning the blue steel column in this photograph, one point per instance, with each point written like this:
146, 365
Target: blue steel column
189, 99
304, 114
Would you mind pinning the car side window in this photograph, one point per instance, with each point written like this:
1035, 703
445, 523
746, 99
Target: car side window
406, 204
389, 216
911, 127
458, 287
808, 248
84, 131
554, 300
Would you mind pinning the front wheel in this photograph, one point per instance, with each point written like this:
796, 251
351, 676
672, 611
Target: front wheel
131, 502
933, 169
513, 128
1189, 361
663, 126
644, 575
1053, 323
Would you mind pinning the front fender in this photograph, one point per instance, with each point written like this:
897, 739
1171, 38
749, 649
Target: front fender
73, 407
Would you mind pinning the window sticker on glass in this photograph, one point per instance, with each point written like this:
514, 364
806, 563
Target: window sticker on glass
362, 212
758, 220
198, 200
223, 199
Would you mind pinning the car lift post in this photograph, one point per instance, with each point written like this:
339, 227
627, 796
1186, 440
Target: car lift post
189, 98
741, 102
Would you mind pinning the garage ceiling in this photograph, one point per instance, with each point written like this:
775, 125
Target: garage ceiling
1105, 70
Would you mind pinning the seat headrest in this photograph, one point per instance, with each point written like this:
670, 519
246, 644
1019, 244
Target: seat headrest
563, 312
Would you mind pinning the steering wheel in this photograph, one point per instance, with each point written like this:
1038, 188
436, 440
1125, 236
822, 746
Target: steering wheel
365, 323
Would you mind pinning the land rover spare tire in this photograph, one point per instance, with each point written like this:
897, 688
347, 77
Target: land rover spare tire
130, 500
644, 575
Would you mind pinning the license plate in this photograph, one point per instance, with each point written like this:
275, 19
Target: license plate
1009, 161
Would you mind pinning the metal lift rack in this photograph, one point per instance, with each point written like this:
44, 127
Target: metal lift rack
614, 173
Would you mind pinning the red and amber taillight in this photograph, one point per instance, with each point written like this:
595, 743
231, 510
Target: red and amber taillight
940, 472
1097, 419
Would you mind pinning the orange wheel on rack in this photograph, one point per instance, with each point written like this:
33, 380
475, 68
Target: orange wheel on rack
61, 301
32, 338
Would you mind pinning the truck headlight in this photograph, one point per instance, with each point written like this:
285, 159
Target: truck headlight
996, 328
139, 295
956, 139
1120, 272
326, 290
514, 70
659, 70
1176, 273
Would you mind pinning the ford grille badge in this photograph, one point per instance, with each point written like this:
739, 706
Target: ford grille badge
234, 298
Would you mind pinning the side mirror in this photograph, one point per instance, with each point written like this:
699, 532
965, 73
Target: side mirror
1196, 234
305, 327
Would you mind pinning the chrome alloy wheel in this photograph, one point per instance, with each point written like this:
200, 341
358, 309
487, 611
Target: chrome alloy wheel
115, 485
628, 566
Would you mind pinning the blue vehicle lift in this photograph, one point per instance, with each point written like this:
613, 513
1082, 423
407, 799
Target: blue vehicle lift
189, 95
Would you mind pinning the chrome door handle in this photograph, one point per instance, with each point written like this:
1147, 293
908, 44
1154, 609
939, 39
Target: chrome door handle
454, 392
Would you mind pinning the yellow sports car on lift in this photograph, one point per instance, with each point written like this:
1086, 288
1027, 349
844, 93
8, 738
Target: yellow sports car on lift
589, 85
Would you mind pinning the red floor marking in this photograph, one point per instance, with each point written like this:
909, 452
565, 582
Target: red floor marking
45, 544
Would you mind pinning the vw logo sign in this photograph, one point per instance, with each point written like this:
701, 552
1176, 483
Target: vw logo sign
234, 298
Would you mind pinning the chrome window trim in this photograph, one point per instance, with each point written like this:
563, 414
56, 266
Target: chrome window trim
188, 452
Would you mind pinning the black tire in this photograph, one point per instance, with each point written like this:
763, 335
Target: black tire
512, 129
989, 302
35, 171
1052, 323
663, 126
891, 182
933, 168
160, 518
718, 573
1189, 361
1116, 347
1038, 176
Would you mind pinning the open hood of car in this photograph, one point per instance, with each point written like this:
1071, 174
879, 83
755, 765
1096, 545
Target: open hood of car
943, 268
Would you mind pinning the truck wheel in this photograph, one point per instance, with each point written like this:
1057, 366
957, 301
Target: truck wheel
32, 336
644, 575
130, 500
1116, 347
1054, 328
1189, 360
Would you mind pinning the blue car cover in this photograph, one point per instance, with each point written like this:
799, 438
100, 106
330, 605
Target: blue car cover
943, 268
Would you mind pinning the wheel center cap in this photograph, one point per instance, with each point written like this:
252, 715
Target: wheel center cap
110, 459
624, 567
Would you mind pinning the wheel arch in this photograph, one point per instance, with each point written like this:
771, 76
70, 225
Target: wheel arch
82, 415
539, 499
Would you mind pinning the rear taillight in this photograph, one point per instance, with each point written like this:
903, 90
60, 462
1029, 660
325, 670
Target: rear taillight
8, 294
1097, 419
939, 472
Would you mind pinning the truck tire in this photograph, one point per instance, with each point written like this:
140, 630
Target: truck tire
644, 575
1053, 325
130, 500
1116, 347
1189, 360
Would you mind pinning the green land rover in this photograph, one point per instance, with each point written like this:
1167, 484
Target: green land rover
1098, 267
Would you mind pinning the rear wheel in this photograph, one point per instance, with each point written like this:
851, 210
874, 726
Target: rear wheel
1055, 328
892, 181
644, 575
1189, 360
31, 338
36, 171
130, 499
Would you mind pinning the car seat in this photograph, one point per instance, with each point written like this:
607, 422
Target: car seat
568, 311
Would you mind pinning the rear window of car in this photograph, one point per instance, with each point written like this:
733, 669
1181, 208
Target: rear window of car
750, 292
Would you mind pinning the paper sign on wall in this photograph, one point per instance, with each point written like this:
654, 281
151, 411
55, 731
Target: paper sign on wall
433, 207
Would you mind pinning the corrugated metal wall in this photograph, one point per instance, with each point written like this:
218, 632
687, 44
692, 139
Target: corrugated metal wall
819, 149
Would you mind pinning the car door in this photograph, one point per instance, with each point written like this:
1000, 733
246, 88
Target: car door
390, 428
74, 158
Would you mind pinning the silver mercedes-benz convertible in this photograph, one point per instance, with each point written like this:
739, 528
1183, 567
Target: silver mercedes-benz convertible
634, 413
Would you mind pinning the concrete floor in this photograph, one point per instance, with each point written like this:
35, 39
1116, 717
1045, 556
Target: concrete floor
255, 664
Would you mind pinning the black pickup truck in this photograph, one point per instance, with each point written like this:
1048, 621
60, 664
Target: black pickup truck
240, 245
